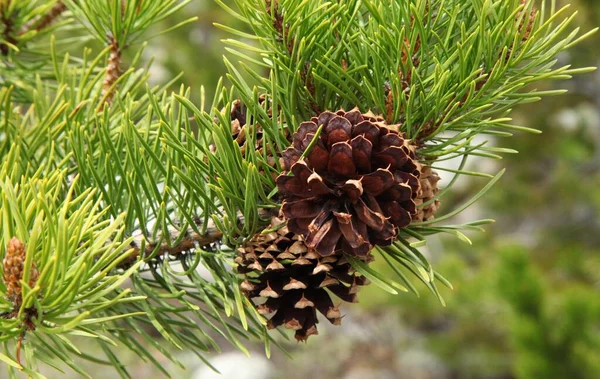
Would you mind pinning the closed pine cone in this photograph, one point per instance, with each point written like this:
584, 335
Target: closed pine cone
429, 190
294, 280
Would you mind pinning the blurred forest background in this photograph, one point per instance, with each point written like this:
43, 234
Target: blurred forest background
526, 300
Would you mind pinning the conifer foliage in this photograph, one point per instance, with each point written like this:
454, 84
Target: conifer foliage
319, 153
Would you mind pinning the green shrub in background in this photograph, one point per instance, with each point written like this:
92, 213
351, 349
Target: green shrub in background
554, 333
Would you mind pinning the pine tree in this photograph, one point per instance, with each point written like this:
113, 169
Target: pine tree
318, 153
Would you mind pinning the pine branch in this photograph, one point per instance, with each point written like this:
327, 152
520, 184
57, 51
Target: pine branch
283, 34
178, 241
526, 21
162, 169
43, 22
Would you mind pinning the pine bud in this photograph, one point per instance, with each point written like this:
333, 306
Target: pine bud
14, 266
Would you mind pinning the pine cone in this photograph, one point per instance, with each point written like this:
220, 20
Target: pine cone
429, 190
14, 265
354, 189
295, 281
239, 130
238, 123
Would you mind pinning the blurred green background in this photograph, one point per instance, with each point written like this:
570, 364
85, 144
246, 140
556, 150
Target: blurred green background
526, 300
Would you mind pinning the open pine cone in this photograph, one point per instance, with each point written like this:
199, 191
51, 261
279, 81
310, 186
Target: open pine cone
355, 187
295, 281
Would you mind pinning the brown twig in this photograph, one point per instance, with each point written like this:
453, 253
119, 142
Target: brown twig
409, 54
113, 71
30, 314
283, 30
310, 86
191, 240
18, 348
50, 17
525, 27
8, 29
389, 105
144, 248
43, 22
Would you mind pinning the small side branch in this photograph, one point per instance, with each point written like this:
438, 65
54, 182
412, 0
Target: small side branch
526, 23
43, 22
283, 33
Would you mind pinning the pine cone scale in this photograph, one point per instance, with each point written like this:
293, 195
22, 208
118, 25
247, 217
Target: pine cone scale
377, 182
324, 238
353, 189
362, 149
357, 239
373, 220
341, 163
304, 208
338, 129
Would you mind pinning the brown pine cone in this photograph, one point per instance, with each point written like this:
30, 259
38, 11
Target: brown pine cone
355, 187
239, 131
294, 280
429, 189
238, 125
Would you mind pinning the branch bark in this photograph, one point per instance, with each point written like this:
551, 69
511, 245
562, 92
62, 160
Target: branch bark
113, 72
144, 248
8, 29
